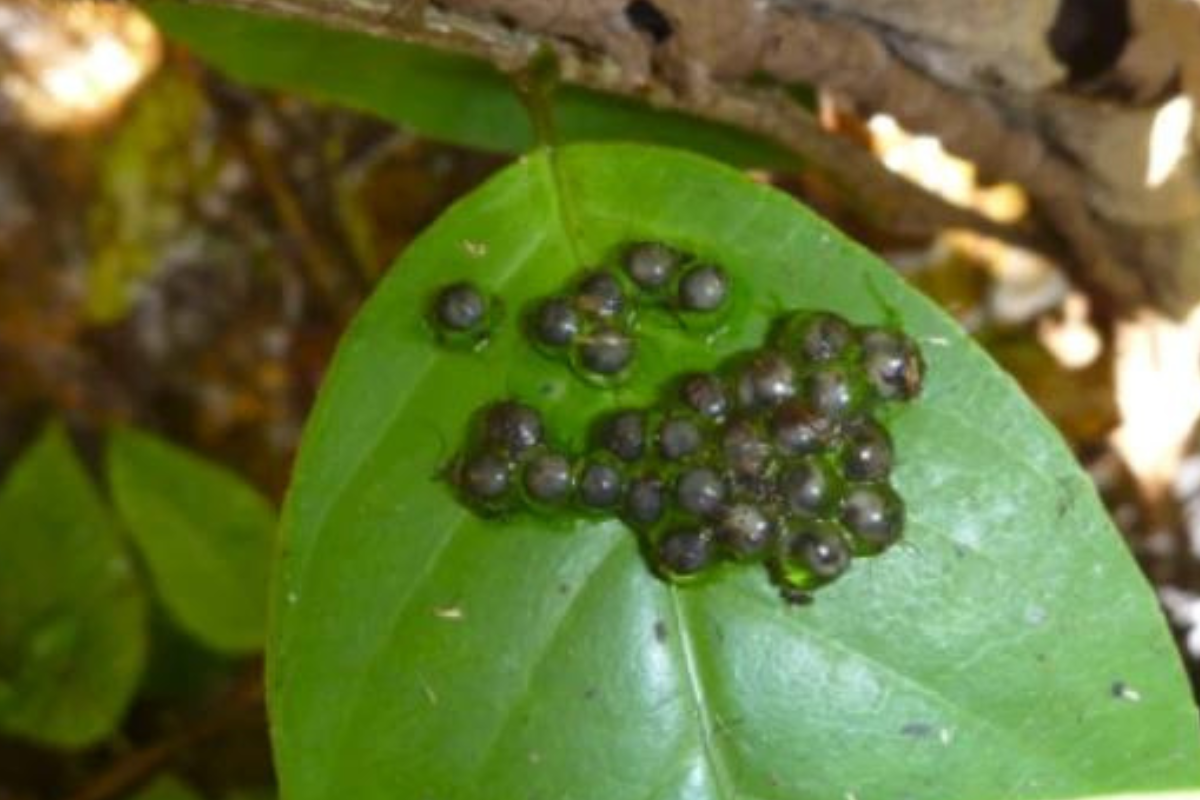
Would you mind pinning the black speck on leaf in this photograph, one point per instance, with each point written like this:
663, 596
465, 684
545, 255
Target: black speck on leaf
1121, 690
917, 730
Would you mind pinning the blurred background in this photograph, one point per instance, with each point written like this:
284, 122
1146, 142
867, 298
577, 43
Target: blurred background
180, 253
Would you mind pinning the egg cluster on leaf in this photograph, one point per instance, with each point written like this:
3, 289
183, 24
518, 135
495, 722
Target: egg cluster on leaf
776, 457
593, 323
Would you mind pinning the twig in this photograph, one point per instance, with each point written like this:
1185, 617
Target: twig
140, 765
1036, 136
764, 111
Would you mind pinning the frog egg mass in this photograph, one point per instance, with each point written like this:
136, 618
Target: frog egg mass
774, 460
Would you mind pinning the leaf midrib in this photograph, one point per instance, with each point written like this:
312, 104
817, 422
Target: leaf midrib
714, 758
566, 216
713, 755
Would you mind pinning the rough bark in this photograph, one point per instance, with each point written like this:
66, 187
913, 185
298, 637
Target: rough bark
1060, 96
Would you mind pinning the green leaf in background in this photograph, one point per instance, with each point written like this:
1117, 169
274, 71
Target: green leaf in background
206, 536
179, 667
441, 95
251, 794
167, 787
72, 627
1008, 649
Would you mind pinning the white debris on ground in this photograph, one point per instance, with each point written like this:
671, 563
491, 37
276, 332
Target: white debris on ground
72, 65
1158, 393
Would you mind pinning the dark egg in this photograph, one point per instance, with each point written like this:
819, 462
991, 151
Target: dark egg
685, 552
874, 514
600, 485
651, 265
745, 531
606, 351
555, 322
485, 476
512, 427
548, 477
703, 288
460, 307
892, 364
624, 435
600, 294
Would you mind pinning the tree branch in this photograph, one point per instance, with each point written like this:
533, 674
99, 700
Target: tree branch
1002, 83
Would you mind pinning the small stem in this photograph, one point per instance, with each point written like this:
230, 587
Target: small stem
139, 766
535, 85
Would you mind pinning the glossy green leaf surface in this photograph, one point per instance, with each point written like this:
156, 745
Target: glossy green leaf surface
445, 96
72, 628
205, 534
1009, 648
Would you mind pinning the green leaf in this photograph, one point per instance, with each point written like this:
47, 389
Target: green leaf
442, 95
206, 536
167, 787
1008, 649
72, 627
178, 667
252, 794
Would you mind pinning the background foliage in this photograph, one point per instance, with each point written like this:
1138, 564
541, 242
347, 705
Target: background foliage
186, 267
